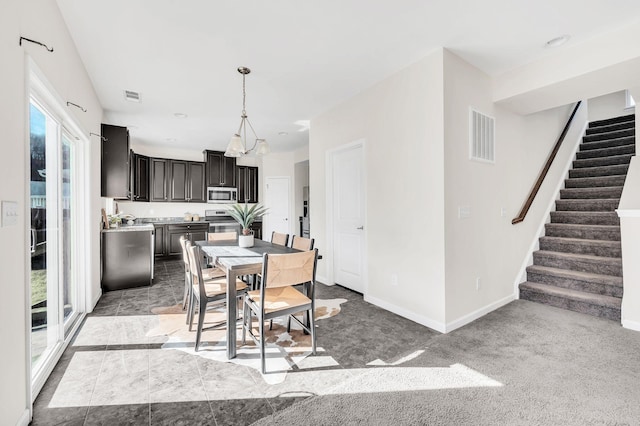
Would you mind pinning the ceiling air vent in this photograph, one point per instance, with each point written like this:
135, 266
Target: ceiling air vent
132, 96
481, 136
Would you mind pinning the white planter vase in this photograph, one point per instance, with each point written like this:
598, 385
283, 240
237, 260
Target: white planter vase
245, 240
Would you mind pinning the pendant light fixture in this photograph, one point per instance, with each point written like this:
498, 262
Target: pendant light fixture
238, 144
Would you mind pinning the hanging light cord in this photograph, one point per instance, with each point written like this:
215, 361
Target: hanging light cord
242, 130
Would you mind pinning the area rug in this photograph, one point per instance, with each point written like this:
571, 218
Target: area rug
285, 351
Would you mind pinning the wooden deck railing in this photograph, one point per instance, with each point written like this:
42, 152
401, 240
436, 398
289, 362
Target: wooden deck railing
543, 173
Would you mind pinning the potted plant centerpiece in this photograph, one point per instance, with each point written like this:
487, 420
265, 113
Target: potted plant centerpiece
245, 216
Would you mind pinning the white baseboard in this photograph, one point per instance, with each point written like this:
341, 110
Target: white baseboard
479, 313
631, 325
94, 302
25, 418
436, 325
422, 320
323, 280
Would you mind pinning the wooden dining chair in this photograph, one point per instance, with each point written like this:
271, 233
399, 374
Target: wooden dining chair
277, 297
205, 291
207, 274
279, 238
222, 236
301, 243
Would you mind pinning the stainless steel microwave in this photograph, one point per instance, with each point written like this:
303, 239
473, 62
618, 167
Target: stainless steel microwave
219, 194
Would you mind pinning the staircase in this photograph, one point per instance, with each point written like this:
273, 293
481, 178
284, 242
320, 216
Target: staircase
579, 264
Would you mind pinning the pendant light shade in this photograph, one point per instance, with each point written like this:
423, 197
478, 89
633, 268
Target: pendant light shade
235, 147
238, 144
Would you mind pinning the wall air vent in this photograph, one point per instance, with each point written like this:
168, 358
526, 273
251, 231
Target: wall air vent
481, 136
132, 96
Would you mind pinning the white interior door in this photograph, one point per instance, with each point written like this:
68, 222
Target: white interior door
277, 200
348, 218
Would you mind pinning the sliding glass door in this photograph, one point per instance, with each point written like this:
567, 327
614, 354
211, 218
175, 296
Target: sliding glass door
54, 233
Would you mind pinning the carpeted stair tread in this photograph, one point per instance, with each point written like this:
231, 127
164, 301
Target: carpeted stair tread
599, 192
619, 169
607, 143
611, 127
607, 152
589, 182
586, 218
579, 262
614, 120
589, 204
589, 232
609, 135
602, 248
578, 275
575, 280
603, 161
567, 293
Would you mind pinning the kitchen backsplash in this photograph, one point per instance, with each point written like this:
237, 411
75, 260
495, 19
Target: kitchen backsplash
166, 209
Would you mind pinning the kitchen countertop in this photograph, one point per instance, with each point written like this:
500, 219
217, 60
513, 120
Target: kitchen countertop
131, 228
169, 220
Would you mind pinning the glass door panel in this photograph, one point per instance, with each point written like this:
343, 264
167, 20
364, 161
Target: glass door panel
69, 287
42, 215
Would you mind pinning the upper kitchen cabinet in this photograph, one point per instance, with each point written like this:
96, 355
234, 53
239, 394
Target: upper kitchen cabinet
247, 180
115, 162
221, 170
139, 177
159, 178
186, 181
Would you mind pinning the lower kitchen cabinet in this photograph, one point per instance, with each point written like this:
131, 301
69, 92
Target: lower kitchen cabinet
194, 232
256, 227
159, 245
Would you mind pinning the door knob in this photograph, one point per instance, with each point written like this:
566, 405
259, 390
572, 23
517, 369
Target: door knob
360, 227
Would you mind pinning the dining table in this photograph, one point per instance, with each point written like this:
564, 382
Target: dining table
237, 261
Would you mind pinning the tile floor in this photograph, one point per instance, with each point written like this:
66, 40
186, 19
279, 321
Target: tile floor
116, 372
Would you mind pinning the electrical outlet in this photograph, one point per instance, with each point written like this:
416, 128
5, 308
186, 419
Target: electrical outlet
477, 283
503, 212
394, 280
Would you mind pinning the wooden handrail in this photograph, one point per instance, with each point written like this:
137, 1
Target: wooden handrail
543, 173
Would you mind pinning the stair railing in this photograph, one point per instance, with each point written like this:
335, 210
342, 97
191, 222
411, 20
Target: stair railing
545, 169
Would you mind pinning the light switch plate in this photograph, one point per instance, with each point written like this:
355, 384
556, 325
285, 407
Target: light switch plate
9, 213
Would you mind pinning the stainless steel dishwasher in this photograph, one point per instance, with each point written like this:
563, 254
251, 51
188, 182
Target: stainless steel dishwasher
127, 257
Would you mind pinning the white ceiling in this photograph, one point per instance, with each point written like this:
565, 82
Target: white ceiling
305, 56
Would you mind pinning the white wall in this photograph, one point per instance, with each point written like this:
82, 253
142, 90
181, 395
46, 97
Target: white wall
595, 67
486, 245
400, 120
608, 106
629, 212
301, 171
63, 69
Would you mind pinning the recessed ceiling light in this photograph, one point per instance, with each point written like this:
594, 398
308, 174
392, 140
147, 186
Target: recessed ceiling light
180, 115
283, 133
558, 41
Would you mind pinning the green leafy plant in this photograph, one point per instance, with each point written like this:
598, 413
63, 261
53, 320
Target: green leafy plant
245, 215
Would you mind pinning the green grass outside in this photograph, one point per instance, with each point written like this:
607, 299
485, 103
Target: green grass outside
38, 286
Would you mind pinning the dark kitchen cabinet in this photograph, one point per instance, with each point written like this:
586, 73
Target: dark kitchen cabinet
247, 184
196, 185
256, 227
139, 177
159, 178
221, 170
115, 177
178, 180
185, 180
159, 242
194, 232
